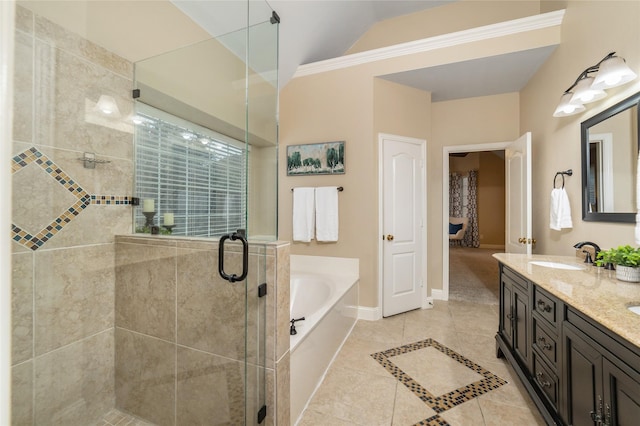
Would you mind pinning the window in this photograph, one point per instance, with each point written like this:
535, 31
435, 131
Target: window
196, 174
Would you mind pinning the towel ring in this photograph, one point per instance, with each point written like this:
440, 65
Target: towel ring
556, 177
566, 172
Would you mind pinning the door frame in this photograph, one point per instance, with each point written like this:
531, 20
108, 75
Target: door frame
423, 264
446, 150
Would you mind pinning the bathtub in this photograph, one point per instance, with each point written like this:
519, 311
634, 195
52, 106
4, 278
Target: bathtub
323, 290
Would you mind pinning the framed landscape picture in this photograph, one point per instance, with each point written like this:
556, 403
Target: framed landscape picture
325, 158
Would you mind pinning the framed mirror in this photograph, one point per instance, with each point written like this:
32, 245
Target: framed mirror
610, 147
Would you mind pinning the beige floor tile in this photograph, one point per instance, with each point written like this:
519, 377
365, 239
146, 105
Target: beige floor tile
466, 414
356, 355
357, 397
408, 408
435, 371
477, 347
314, 418
474, 318
496, 414
359, 391
445, 336
387, 330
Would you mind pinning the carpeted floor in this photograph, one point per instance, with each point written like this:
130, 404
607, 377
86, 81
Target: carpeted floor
473, 275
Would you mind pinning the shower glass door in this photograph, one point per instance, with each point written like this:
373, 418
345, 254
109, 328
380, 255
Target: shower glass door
118, 308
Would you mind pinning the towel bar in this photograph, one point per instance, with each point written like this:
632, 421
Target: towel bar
340, 189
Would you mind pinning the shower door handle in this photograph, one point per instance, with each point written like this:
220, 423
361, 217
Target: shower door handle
245, 257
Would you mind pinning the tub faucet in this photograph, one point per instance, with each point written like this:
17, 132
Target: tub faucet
292, 330
588, 258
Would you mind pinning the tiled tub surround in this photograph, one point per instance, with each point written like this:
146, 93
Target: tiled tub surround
324, 291
179, 339
63, 292
593, 291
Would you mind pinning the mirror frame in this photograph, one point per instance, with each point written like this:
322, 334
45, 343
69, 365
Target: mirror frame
633, 100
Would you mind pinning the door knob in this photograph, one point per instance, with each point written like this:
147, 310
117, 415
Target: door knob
389, 237
522, 240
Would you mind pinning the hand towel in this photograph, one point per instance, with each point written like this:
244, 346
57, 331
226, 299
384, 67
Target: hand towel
638, 201
327, 213
560, 210
303, 214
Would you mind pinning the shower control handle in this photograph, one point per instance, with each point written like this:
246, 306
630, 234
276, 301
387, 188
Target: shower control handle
245, 257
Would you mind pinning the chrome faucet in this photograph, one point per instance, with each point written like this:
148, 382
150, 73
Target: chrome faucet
588, 258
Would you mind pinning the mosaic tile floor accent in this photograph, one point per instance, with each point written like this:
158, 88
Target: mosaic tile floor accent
34, 239
439, 403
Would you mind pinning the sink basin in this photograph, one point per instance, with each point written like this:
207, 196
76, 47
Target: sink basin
557, 265
634, 308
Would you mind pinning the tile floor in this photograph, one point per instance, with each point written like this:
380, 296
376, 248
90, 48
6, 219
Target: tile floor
359, 390
118, 418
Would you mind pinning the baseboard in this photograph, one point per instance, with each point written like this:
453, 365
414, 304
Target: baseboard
492, 246
369, 314
437, 294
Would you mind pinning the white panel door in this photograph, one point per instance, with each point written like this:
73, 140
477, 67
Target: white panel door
403, 197
518, 200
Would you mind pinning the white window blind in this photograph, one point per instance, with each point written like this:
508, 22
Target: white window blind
196, 174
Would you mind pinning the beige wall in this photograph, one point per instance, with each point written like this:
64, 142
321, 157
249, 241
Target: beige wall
491, 199
556, 141
480, 120
438, 20
462, 165
344, 106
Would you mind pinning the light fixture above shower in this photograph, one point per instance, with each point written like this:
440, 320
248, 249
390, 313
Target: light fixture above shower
108, 106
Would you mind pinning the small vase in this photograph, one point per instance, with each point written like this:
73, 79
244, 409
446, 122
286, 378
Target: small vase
628, 273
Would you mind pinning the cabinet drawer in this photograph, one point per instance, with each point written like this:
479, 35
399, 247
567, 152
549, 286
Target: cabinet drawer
515, 278
546, 306
545, 380
545, 343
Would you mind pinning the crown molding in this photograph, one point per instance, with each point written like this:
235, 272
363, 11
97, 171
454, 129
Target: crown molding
486, 32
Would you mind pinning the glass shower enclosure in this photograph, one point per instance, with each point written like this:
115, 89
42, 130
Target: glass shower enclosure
144, 200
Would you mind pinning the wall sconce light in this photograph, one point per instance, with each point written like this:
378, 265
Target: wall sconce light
612, 71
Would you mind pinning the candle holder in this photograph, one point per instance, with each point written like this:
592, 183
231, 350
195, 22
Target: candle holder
149, 216
169, 228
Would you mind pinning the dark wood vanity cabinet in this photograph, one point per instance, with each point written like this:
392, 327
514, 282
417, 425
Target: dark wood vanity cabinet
576, 371
602, 375
515, 315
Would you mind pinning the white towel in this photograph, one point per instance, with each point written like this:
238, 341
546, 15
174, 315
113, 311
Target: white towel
560, 210
327, 213
638, 201
303, 214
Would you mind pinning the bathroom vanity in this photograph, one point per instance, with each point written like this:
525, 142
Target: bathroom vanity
566, 329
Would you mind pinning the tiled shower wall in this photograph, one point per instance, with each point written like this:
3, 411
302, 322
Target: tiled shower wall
170, 357
180, 332
65, 217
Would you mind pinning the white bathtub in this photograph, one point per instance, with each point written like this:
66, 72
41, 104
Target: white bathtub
328, 301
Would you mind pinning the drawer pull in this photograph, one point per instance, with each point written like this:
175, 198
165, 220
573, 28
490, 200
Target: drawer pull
543, 306
542, 383
543, 344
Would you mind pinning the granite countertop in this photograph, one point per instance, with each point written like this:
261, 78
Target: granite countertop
592, 291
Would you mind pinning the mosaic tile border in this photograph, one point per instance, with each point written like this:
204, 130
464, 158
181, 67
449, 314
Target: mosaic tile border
35, 240
445, 401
